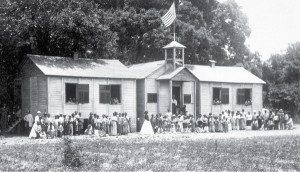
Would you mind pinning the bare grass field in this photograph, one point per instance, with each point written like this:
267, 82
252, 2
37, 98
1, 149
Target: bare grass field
235, 151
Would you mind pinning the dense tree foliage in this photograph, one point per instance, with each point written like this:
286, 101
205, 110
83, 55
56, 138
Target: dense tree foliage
129, 30
282, 74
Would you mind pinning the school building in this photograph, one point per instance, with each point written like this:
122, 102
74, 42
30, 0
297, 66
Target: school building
60, 85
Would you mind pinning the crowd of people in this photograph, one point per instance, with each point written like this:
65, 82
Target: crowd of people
45, 126
224, 122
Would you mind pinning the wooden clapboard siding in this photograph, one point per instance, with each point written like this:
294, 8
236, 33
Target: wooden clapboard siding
188, 88
99, 107
198, 100
150, 87
218, 109
85, 108
164, 96
205, 98
235, 106
140, 96
55, 95
42, 93
206, 95
25, 95
257, 97
129, 101
33, 95
184, 75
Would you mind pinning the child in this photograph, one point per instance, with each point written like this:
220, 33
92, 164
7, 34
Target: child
173, 126
180, 123
60, 130
89, 130
255, 124
225, 124
211, 124
51, 131
205, 124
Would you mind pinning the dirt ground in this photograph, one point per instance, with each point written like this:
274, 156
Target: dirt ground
20, 140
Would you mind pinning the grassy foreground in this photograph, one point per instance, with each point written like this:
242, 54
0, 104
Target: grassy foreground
140, 153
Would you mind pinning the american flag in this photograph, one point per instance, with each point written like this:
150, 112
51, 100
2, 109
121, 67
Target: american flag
170, 16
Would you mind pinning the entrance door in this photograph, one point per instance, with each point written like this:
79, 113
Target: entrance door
176, 91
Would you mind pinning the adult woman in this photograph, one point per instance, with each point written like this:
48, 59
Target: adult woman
211, 124
114, 120
146, 127
36, 130
249, 120
125, 125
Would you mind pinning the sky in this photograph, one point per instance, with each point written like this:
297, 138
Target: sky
274, 24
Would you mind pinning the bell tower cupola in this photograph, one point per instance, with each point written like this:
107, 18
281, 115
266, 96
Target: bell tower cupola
174, 55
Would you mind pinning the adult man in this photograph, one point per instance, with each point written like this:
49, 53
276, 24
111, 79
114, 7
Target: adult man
28, 122
281, 119
169, 119
266, 118
174, 105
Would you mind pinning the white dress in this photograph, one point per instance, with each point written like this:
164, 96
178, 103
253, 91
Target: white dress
147, 128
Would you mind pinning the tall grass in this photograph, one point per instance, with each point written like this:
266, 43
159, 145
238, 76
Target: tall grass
250, 154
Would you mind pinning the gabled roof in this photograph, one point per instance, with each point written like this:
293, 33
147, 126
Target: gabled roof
224, 74
142, 70
95, 68
174, 44
171, 74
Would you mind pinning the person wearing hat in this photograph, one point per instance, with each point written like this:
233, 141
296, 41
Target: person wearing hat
281, 119
37, 117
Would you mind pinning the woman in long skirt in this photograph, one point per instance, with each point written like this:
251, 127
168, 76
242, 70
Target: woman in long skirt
220, 124
232, 121
114, 121
211, 124
125, 125
237, 121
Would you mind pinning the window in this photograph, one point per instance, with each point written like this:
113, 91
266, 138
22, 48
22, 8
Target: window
152, 98
187, 99
244, 97
225, 95
110, 94
77, 93
220, 96
104, 94
216, 96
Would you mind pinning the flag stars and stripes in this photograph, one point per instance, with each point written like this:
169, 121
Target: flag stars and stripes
170, 16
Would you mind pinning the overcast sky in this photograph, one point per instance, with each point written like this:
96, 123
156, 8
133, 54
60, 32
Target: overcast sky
274, 24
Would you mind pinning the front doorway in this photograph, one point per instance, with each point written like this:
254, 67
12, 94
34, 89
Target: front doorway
176, 93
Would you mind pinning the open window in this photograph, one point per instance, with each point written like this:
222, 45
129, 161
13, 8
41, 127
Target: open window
152, 98
244, 96
220, 96
77, 93
216, 96
110, 94
187, 98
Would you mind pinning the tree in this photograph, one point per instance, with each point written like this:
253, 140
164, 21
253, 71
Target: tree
128, 30
282, 74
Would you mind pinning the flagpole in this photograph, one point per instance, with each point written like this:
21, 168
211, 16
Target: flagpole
174, 22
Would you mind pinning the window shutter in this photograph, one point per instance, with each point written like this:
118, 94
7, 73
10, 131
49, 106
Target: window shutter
225, 95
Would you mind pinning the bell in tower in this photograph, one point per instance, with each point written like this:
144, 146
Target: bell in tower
174, 55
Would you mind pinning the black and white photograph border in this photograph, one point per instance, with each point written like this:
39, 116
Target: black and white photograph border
147, 85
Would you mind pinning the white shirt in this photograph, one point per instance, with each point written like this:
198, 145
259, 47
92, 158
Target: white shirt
174, 101
29, 119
